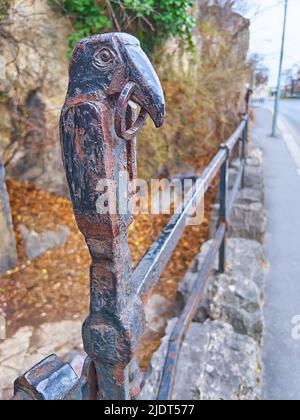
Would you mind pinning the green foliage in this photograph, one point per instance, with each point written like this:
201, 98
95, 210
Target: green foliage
160, 19
152, 21
4, 6
88, 18
203, 99
175, 18
140, 8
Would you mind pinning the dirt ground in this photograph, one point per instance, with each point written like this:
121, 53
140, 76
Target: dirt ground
55, 286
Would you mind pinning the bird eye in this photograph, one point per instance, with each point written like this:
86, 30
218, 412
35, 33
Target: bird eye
105, 55
103, 58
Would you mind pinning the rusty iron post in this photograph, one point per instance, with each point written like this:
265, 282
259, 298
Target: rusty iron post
98, 139
248, 95
98, 129
223, 213
244, 150
244, 139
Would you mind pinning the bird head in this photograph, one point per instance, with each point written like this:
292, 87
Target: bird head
107, 63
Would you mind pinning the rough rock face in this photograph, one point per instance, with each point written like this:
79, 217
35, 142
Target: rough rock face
250, 220
215, 364
32, 90
220, 357
237, 296
37, 244
8, 252
235, 23
157, 310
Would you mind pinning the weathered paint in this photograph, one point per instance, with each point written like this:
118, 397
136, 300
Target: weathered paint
98, 131
98, 139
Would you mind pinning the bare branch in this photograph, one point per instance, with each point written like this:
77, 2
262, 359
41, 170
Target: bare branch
113, 15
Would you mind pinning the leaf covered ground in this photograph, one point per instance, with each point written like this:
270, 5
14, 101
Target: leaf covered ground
55, 286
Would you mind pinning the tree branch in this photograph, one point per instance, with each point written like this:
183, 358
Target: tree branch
113, 15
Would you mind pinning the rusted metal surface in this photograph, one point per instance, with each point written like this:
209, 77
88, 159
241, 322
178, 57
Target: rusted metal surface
245, 145
96, 124
223, 216
51, 379
98, 138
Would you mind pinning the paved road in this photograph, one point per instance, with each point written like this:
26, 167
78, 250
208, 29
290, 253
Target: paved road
281, 353
289, 110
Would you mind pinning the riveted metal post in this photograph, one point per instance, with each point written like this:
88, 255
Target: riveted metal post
223, 207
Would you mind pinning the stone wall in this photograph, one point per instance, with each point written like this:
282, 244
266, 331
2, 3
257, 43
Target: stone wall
220, 358
33, 46
8, 253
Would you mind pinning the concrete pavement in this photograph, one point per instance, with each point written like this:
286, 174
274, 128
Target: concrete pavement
281, 355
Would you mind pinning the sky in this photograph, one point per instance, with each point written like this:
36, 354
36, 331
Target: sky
266, 32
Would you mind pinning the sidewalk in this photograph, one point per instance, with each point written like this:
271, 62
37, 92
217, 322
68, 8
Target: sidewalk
282, 187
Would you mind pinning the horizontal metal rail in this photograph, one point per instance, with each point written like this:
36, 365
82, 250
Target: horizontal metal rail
149, 270
220, 162
235, 137
188, 314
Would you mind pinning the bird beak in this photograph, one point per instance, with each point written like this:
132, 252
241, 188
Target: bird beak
148, 93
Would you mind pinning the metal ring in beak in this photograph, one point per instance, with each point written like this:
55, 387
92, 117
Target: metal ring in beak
121, 120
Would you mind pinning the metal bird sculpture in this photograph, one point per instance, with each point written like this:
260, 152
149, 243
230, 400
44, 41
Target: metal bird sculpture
98, 138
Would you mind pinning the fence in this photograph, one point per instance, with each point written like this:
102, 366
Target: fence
98, 136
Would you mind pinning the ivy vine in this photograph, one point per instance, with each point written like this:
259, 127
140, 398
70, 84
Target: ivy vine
152, 21
4, 7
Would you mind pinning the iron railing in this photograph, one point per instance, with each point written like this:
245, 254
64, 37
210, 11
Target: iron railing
98, 136
220, 163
